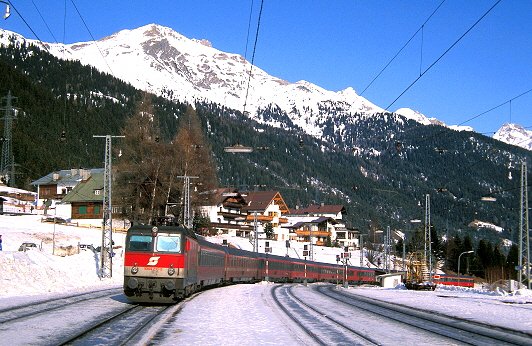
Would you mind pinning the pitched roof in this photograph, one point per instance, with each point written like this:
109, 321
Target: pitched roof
297, 222
67, 176
260, 200
319, 210
85, 190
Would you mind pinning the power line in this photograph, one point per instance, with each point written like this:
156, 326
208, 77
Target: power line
444, 53
249, 28
46, 24
500, 105
253, 55
404, 46
90, 33
29, 27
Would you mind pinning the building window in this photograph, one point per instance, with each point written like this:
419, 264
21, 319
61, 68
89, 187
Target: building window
97, 210
97, 192
82, 209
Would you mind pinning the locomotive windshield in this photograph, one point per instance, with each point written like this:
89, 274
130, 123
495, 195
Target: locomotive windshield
169, 243
140, 243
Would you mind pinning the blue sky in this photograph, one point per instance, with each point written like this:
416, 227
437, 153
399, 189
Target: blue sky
340, 44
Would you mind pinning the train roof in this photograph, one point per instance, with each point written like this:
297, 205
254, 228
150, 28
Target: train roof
160, 228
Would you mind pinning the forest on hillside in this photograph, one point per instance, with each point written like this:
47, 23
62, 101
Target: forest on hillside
381, 173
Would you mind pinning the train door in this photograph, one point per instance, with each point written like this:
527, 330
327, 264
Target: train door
191, 261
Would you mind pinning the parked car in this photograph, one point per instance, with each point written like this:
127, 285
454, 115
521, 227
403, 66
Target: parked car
27, 246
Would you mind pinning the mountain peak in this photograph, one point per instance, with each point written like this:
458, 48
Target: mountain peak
413, 115
422, 119
158, 59
514, 134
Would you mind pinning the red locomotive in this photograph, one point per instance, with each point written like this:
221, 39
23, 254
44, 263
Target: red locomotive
164, 264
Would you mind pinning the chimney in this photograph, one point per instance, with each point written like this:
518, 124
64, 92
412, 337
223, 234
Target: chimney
85, 174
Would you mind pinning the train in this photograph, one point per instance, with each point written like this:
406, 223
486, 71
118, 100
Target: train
164, 263
454, 280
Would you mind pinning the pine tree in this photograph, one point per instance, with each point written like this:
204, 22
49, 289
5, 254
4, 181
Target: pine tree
328, 241
268, 230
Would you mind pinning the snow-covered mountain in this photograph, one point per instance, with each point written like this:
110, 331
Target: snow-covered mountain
422, 119
514, 134
160, 60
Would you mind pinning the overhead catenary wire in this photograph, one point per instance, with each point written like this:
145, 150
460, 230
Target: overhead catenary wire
90, 33
444, 53
44, 21
249, 28
477, 116
403, 47
29, 27
253, 55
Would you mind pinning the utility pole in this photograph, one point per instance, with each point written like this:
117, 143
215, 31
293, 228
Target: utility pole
106, 252
187, 216
361, 245
428, 246
524, 230
7, 165
387, 251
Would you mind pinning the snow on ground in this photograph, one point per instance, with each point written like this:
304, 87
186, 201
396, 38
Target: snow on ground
37, 271
246, 318
495, 308
27, 276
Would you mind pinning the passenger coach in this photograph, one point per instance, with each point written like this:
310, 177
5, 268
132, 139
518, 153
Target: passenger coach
164, 264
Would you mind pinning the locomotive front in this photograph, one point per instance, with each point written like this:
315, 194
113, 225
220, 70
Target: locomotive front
154, 263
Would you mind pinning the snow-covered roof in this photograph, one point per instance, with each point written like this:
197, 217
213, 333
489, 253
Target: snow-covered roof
66, 176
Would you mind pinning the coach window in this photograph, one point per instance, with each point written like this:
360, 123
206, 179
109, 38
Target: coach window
170, 243
140, 243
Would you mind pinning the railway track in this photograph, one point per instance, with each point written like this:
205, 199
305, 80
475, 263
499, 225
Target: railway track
129, 326
102, 317
459, 330
330, 316
321, 328
20, 312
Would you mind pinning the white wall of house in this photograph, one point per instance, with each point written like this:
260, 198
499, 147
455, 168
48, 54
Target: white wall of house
63, 210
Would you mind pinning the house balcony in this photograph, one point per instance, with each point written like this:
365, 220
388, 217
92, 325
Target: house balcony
318, 233
228, 215
235, 226
261, 218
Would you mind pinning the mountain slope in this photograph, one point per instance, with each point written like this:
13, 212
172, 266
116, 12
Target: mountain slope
160, 60
515, 134
379, 165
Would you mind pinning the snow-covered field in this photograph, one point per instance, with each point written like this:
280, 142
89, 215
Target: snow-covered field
30, 275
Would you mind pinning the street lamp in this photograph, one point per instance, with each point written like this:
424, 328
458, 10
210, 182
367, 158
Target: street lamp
238, 148
465, 252
8, 9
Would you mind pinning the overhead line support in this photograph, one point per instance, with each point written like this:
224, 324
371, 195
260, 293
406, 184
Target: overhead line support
106, 252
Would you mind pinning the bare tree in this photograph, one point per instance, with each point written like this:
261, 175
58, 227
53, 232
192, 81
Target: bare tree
147, 183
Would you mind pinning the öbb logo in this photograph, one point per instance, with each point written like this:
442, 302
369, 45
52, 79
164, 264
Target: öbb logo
153, 261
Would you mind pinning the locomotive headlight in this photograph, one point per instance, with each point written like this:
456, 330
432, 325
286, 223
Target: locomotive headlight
135, 269
171, 270
133, 283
